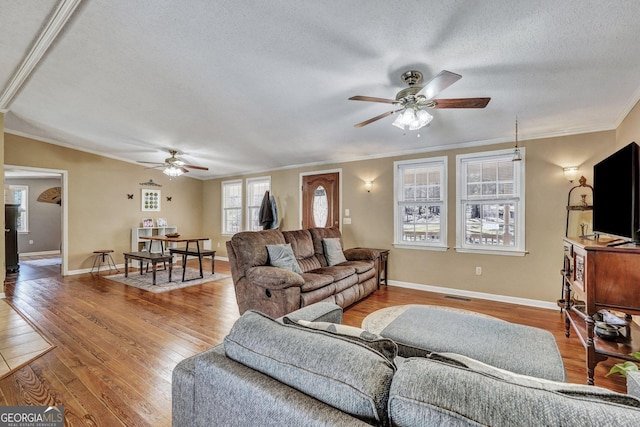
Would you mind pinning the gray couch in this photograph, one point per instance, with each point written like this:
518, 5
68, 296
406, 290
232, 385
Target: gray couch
277, 291
268, 372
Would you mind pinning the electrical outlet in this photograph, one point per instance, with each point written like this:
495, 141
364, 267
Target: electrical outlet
218, 244
346, 212
478, 271
31, 242
346, 220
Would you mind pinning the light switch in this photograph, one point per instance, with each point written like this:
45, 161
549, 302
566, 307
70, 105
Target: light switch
346, 212
346, 220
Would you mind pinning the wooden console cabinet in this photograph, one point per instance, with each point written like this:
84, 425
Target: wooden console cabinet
595, 277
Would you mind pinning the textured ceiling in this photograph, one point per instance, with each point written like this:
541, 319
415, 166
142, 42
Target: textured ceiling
246, 86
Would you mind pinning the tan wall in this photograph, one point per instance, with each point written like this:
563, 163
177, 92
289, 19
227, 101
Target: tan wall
100, 214
629, 129
534, 276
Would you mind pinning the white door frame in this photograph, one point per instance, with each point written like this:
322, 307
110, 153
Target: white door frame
63, 205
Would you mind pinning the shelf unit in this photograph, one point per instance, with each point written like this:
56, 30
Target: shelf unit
597, 276
138, 244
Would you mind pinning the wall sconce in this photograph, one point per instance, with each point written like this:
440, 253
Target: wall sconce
570, 173
368, 185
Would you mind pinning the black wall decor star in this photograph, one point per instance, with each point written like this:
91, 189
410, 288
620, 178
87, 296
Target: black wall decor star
129, 196
169, 198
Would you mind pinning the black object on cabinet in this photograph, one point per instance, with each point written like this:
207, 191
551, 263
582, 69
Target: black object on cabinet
11, 213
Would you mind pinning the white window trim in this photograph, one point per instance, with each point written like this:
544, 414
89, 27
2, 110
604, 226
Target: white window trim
397, 191
23, 213
248, 182
224, 232
519, 248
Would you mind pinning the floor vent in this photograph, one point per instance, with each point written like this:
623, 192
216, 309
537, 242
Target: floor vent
458, 298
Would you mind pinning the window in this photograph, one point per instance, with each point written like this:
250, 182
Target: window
256, 187
21, 197
490, 203
231, 207
421, 203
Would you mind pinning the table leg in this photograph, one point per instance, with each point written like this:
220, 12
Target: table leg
184, 260
126, 266
153, 267
213, 263
170, 267
199, 258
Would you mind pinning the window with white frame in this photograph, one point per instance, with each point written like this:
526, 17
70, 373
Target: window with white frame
490, 208
231, 206
421, 203
256, 187
21, 197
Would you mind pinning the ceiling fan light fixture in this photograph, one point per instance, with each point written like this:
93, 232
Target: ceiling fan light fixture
174, 171
398, 122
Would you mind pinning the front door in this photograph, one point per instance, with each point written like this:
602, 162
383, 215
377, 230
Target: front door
321, 200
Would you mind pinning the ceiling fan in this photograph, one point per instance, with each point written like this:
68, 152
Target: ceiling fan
415, 99
174, 166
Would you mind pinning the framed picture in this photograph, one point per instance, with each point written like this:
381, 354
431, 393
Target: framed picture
161, 222
147, 222
150, 200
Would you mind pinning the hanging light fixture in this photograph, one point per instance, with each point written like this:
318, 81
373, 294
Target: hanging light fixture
412, 117
517, 156
173, 170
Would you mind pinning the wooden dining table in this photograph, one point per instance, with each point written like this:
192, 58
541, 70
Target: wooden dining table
165, 241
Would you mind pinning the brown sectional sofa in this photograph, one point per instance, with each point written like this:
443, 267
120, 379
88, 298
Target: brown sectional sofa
277, 291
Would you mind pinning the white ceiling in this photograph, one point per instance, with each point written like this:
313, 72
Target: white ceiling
246, 86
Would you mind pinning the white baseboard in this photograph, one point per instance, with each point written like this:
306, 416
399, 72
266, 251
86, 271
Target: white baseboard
479, 295
40, 253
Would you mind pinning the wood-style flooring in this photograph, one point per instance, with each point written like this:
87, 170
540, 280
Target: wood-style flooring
116, 346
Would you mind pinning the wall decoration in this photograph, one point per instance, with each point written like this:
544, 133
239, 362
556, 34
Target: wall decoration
52, 195
150, 200
129, 196
169, 198
147, 222
161, 222
150, 183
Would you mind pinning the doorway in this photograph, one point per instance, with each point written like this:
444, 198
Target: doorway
321, 201
46, 235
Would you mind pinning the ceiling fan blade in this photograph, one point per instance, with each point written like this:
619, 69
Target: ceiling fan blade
373, 99
381, 116
151, 163
439, 83
196, 167
461, 103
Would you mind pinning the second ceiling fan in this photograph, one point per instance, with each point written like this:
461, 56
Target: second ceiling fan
415, 99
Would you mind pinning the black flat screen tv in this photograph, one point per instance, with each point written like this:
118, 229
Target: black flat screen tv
616, 194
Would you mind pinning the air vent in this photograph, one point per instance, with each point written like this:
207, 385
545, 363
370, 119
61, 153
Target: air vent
458, 298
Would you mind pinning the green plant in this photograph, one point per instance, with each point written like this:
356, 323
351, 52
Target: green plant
625, 367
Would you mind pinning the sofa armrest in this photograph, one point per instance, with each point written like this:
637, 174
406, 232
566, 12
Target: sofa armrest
269, 277
633, 384
360, 254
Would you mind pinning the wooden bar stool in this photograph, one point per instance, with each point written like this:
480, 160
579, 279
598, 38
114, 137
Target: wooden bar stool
102, 256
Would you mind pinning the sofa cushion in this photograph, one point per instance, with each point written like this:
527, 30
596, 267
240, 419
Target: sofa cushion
336, 271
360, 266
314, 281
317, 235
282, 256
333, 251
445, 391
384, 346
301, 243
344, 374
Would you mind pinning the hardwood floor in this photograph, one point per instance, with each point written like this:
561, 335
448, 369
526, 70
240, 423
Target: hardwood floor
116, 346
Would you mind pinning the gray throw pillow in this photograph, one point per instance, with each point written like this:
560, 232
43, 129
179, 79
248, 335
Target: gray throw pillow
282, 256
333, 251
